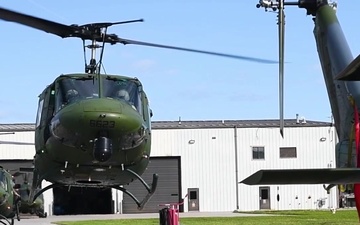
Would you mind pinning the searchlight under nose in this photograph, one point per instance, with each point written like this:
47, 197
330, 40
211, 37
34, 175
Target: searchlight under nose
102, 151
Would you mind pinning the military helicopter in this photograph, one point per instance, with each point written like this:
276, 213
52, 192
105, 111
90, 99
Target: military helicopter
9, 200
22, 187
93, 129
342, 73
26, 206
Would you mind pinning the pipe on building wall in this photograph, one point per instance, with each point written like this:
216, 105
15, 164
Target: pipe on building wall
236, 167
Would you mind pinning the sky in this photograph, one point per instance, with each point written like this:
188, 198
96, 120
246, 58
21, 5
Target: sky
179, 84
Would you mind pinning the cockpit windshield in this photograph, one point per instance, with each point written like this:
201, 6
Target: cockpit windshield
74, 89
3, 182
124, 90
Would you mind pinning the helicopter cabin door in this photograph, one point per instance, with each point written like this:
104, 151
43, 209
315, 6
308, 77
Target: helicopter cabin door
44, 114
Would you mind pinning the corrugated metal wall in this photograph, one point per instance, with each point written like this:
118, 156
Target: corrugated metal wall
48, 198
209, 164
311, 153
19, 145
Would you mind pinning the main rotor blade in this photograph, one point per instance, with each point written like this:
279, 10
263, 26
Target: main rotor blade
86, 32
6, 133
281, 25
259, 60
15, 143
38, 23
304, 176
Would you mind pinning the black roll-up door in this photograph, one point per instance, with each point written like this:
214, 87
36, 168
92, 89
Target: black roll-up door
168, 188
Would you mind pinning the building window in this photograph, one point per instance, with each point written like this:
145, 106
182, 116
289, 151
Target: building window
288, 152
258, 152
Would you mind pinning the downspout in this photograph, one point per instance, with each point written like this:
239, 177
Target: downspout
236, 168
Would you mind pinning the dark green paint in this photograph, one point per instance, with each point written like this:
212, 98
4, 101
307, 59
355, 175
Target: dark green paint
326, 16
64, 138
9, 198
335, 55
30, 207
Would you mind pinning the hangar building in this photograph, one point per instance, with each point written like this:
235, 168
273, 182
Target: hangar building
202, 162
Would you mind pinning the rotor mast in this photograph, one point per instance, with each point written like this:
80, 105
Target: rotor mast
98, 33
92, 67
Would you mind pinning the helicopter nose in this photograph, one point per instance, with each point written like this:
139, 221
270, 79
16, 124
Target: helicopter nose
99, 120
100, 114
113, 115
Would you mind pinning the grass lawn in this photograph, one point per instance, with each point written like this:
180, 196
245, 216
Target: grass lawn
343, 217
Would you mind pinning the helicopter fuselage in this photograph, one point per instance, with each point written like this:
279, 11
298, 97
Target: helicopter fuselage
8, 197
6, 204
90, 129
26, 206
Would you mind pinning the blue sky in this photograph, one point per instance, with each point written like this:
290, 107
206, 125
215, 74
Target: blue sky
190, 85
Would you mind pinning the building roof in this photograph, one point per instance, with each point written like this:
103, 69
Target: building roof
17, 127
196, 124
234, 123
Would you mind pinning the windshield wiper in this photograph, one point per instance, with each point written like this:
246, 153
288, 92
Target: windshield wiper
84, 78
116, 79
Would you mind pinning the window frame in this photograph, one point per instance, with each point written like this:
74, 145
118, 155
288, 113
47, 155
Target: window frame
289, 154
258, 150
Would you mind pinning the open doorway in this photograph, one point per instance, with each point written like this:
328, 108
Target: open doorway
82, 201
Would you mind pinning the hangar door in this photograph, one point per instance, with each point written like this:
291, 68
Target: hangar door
14, 166
168, 188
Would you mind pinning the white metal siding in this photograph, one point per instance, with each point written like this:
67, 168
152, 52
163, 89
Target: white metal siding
48, 198
208, 164
117, 197
311, 153
18, 151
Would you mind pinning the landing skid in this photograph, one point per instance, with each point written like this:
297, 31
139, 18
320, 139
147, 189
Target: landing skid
41, 214
17, 209
45, 189
150, 190
8, 221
